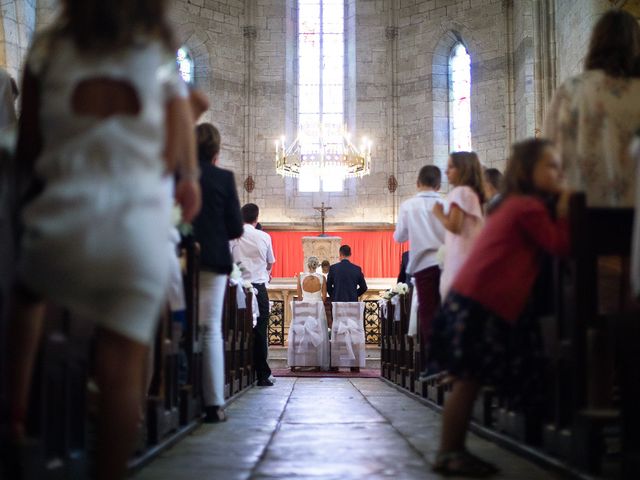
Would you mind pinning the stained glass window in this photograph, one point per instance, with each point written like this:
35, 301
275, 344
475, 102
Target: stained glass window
459, 99
185, 64
320, 86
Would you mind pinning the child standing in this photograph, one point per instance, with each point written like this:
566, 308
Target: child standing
472, 330
464, 219
102, 104
425, 233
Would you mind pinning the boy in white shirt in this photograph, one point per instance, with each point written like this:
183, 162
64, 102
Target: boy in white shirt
418, 225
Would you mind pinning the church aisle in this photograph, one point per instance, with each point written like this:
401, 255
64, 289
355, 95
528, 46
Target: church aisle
329, 428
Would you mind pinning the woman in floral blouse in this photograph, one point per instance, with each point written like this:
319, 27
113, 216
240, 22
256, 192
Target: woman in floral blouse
593, 116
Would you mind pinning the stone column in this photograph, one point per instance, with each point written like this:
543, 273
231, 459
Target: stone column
545, 57
248, 152
391, 32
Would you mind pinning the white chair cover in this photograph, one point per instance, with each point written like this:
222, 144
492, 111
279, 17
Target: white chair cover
308, 336
347, 335
413, 318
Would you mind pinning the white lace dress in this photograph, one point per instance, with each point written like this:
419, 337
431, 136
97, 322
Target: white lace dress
308, 333
95, 239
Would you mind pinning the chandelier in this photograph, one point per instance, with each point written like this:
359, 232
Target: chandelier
332, 156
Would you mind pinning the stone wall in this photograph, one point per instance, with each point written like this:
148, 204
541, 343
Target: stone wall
396, 88
574, 21
18, 22
274, 73
427, 32
522, 32
212, 32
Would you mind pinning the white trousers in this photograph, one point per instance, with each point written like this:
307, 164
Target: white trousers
212, 289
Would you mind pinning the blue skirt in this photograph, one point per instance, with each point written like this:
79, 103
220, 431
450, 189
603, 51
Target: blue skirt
471, 342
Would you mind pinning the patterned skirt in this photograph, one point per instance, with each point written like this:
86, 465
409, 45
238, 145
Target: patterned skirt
471, 342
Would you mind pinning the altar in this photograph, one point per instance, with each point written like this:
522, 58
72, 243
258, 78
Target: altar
373, 249
323, 248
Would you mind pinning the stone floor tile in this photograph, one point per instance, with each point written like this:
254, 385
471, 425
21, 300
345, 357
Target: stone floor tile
322, 428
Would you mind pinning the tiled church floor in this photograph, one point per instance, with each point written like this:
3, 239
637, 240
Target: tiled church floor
316, 428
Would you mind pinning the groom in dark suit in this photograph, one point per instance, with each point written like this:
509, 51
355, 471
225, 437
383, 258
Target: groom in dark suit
345, 282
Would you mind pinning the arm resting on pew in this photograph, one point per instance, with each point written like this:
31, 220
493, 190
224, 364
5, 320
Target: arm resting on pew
550, 235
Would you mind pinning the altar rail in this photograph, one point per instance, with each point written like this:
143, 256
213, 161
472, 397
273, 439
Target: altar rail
589, 415
63, 405
278, 333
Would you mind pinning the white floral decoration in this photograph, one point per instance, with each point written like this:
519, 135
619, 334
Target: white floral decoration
401, 288
236, 273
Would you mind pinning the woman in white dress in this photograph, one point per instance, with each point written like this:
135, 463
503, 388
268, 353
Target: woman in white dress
105, 115
312, 286
308, 333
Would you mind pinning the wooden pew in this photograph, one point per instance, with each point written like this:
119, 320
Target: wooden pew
409, 373
585, 410
245, 332
56, 427
525, 422
163, 413
397, 346
191, 393
385, 341
228, 329
419, 362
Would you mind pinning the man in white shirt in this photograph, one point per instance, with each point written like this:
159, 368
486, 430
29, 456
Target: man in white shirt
254, 251
418, 225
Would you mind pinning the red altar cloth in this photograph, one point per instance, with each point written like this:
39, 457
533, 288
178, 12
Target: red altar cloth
376, 252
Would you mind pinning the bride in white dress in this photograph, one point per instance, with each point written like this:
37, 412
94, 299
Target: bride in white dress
308, 333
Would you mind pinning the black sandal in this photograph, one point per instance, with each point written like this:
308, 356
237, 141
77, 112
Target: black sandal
462, 464
490, 466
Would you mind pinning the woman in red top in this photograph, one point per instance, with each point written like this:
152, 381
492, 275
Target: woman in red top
472, 332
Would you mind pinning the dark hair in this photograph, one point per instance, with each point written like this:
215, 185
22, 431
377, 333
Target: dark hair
111, 25
250, 212
325, 263
493, 176
614, 44
430, 176
518, 177
470, 171
258, 226
208, 138
345, 250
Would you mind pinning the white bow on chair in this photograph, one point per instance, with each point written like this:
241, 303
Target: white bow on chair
241, 297
350, 328
309, 328
395, 301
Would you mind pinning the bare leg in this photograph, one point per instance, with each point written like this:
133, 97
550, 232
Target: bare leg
119, 373
24, 334
457, 414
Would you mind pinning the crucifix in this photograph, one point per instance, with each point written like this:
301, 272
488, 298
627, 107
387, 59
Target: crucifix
322, 211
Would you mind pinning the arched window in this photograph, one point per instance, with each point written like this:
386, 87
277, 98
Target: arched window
320, 87
185, 64
459, 99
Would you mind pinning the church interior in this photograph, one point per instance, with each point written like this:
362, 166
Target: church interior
326, 113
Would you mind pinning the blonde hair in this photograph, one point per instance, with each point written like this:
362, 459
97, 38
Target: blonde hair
313, 263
